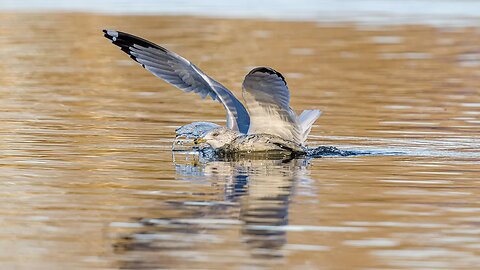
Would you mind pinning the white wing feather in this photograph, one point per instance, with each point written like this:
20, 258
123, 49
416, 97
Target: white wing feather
267, 99
305, 120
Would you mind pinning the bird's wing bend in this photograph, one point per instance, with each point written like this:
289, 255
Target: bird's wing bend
179, 72
267, 99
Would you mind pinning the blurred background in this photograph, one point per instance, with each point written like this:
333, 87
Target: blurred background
88, 179
449, 12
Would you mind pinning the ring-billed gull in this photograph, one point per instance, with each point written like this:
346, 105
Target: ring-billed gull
267, 122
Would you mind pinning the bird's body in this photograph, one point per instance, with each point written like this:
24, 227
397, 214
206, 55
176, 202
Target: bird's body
228, 141
262, 143
265, 123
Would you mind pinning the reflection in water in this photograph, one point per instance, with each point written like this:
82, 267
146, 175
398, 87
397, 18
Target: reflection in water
270, 185
255, 199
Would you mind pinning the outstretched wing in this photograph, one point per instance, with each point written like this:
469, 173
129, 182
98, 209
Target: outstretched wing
179, 72
267, 100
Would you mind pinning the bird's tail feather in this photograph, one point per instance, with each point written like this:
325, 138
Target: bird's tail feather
305, 121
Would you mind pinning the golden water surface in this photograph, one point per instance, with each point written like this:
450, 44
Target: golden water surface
88, 179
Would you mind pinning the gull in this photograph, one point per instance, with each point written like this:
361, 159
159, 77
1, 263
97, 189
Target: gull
265, 123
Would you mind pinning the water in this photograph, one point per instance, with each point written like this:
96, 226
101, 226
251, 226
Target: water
88, 180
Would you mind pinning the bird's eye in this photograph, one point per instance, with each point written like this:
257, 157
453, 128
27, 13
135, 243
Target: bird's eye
215, 134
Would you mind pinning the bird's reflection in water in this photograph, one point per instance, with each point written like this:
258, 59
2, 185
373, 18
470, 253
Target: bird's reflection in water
270, 185
254, 201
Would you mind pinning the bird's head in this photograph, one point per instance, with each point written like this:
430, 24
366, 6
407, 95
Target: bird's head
218, 137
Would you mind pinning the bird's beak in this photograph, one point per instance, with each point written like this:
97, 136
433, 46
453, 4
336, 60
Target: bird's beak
199, 140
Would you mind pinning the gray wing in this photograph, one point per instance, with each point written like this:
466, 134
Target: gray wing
179, 72
267, 100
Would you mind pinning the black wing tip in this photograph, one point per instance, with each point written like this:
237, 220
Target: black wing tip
125, 39
268, 70
110, 34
